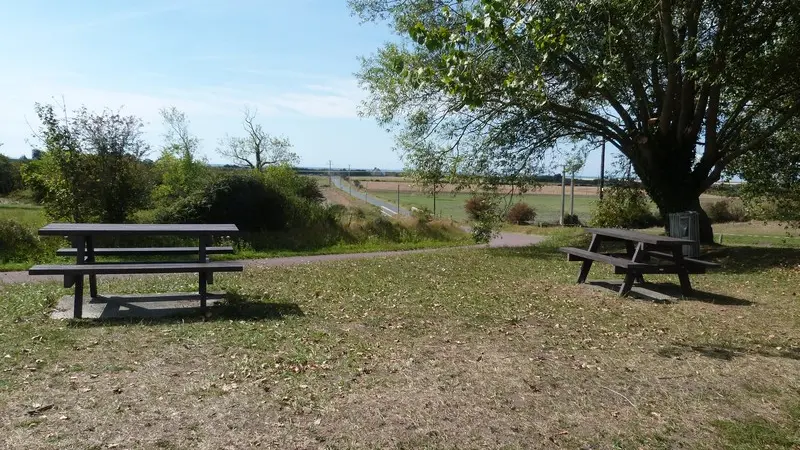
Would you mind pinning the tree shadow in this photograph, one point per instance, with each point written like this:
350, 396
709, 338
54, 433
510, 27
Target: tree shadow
727, 352
125, 310
742, 259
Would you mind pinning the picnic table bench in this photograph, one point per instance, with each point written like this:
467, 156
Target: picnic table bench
644, 254
82, 237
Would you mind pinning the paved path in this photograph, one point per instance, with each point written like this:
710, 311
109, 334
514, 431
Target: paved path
502, 240
371, 199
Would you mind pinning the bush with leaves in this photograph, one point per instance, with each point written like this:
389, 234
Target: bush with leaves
10, 179
243, 199
478, 206
295, 184
90, 166
571, 220
17, 243
520, 214
624, 206
723, 211
483, 212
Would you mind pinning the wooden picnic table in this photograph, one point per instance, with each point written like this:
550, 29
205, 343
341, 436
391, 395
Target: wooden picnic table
82, 237
644, 254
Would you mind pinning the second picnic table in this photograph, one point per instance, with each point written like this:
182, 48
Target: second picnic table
645, 254
83, 235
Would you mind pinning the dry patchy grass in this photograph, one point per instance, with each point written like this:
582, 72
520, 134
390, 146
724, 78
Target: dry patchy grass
461, 349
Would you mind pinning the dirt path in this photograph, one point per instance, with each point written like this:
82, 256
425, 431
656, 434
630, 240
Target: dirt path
504, 239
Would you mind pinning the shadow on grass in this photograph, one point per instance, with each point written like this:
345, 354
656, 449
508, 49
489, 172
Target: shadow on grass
752, 259
728, 352
232, 306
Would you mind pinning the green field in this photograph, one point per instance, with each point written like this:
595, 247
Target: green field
548, 207
31, 216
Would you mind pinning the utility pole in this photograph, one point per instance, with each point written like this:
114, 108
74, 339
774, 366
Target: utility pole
349, 181
330, 172
563, 194
602, 167
398, 199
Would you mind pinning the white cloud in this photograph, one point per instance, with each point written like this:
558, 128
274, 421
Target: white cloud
213, 109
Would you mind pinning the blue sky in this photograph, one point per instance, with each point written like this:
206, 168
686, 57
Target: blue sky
292, 61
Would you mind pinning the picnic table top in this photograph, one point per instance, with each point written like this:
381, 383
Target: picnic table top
637, 236
92, 229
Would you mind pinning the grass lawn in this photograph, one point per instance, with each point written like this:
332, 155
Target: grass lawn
460, 349
31, 216
548, 207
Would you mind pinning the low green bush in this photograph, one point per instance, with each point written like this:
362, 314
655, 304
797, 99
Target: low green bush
571, 220
624, 207
17, 243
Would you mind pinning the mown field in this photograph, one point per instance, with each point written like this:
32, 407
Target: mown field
448, 205
480, 348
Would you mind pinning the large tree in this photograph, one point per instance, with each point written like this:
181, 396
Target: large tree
683, 88
257, 149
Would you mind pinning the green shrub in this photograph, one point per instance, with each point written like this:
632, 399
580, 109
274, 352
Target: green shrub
624, 207
571, 220
243, 199
17, 243
520, 214
723, 211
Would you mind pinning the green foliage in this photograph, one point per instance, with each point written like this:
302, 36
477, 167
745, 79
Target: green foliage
10, 178
490, 87
483, 211
571, 220
520, 214
181, 175
724, 211
243, 199
90, 168
295, 184
772, 175
17, 242
623, 207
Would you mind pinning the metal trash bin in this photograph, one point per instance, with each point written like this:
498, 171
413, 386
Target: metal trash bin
686, 225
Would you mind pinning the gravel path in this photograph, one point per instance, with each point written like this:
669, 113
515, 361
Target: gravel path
502, 240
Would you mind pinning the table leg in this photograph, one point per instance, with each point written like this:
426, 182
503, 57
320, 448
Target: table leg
637, 254
203, 276
79, 242
77, 311
683, 274
627, 284
90, 259
587, 264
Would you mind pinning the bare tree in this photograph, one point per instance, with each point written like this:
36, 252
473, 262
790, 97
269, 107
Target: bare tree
257, 149
177, 133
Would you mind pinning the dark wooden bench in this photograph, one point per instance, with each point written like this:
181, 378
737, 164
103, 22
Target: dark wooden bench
82, 236
156, 251
74, 273
699, 263
645, 254
579, 254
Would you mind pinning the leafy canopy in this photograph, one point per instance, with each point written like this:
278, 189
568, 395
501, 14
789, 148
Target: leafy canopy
681, 87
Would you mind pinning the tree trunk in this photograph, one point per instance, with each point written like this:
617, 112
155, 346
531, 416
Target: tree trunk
666, 174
